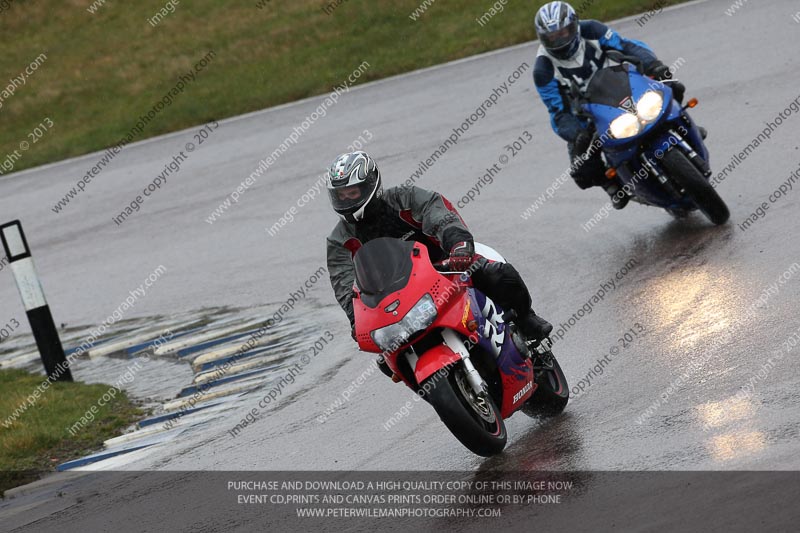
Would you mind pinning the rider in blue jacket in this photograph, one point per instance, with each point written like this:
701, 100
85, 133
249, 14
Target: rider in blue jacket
573, 50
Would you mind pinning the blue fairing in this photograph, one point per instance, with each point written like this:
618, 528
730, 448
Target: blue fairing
604, 114
653, 140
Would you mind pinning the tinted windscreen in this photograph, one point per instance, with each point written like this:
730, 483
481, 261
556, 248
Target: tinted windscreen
609, 86
383, 266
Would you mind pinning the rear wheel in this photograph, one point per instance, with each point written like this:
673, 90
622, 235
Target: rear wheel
691, 180
552, 391
473, 419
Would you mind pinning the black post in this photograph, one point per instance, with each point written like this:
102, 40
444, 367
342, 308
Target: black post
30, 289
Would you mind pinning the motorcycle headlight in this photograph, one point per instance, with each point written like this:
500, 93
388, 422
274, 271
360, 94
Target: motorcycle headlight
625, 126
418, 318
649, 106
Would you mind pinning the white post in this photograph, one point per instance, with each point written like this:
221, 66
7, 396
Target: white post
30, 289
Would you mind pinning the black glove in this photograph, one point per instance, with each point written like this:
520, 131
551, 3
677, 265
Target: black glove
659, 71
462, 255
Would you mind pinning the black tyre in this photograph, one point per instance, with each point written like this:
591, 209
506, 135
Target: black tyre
552, 393
691, 180
474, 421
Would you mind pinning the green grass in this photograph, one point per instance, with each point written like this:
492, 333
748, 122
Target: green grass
40, 438
105, 69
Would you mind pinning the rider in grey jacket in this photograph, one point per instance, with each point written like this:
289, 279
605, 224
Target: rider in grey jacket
368, 212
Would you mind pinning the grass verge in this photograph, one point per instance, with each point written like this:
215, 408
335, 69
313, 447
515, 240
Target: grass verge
106, 63
40, 439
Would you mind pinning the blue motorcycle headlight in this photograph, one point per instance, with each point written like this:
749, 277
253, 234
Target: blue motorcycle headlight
650, 105
625, 126
418, 318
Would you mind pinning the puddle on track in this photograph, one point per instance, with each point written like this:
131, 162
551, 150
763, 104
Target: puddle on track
157, 378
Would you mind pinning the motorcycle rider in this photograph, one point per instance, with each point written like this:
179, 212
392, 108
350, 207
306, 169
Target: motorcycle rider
573, 50
368, 212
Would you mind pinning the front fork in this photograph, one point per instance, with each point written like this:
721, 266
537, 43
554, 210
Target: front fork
454, 342
680, 141
542, 349
672, 140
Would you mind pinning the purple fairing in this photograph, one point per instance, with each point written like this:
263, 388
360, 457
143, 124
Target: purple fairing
498, 342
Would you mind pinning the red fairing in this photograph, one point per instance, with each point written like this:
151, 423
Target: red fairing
434, 360
449, 297
456, 311
517, 389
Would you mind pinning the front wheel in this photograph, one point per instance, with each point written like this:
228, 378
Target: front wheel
691, 180
473, 419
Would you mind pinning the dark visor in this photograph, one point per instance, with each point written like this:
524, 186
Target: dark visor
555, 40
349, 198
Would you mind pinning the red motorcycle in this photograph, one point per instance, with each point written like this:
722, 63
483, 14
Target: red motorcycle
451, 344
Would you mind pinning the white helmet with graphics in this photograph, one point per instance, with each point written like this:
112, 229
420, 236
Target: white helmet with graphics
354, 181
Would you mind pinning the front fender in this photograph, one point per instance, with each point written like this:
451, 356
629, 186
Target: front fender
434, 360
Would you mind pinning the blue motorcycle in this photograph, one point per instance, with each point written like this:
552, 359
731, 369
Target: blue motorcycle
649, 141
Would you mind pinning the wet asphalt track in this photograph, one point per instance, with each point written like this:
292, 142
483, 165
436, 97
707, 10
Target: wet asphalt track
692, 285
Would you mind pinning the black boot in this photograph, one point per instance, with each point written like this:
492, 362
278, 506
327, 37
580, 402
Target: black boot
533, 326
619, 197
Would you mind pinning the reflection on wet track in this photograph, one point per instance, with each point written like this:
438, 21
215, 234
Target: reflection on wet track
710, 385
